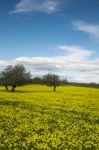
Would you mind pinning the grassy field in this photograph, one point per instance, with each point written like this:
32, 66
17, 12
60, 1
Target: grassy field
35, 118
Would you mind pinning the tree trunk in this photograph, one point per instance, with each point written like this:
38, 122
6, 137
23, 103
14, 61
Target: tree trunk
13, 88
6, 87
54, 89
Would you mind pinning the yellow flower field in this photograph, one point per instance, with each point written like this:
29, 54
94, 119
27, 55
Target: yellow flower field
35, 118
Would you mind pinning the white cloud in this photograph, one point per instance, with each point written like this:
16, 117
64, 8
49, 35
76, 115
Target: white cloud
76, 53
74, 63
91, 29
46, 6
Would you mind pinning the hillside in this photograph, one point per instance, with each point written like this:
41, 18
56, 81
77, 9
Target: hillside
36, 118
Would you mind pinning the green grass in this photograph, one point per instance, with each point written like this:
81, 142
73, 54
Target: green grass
35, 118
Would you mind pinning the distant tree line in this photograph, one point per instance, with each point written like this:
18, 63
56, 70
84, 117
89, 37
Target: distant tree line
94, 85
17, 76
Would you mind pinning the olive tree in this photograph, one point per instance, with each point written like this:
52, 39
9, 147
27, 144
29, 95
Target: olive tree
52, 80
14, 76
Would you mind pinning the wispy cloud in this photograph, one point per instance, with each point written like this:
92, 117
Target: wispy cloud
91, 29
76, 53
46, 6
74, 62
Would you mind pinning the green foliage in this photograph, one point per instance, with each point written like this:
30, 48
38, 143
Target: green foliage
52, 80
37, 80
36, 118
15, 76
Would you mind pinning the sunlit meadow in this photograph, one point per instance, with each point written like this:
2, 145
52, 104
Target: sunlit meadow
36, 118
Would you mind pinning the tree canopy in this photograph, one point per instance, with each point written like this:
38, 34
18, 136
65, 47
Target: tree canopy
15, 76
52, 80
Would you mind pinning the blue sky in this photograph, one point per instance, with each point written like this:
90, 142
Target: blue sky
55, 36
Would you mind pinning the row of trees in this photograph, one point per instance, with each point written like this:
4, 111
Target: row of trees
92, 85
17, 76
